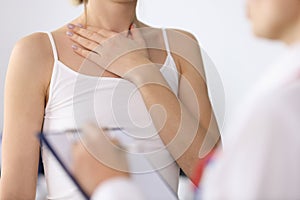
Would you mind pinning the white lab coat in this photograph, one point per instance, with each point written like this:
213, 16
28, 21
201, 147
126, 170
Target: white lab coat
261, 158
261, 155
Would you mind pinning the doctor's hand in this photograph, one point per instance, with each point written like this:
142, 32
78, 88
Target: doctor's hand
97, 158
124, 54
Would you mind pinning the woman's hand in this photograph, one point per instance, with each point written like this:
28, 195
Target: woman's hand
123, 54
96, 159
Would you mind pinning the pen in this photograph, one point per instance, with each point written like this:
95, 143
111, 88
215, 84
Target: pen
75, 133
104, 129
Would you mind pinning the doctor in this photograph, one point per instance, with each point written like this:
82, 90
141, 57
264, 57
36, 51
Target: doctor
261, 159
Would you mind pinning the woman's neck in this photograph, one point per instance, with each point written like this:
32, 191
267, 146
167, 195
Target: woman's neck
110, 15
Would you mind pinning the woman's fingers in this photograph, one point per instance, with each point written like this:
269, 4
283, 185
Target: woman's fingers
92, 35
84, 42
91, 44
90, 55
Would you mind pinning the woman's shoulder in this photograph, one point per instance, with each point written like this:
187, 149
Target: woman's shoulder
183, 32
172, 30
184, 45
32, 57
36, 44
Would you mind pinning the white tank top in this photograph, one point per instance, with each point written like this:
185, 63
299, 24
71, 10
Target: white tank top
75, 99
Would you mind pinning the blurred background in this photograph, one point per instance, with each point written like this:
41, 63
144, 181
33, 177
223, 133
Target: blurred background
221, 28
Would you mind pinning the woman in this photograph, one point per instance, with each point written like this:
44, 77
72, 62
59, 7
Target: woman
43, 92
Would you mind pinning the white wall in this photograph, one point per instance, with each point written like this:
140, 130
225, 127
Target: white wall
220, 26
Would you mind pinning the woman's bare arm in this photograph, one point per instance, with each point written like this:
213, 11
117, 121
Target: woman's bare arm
189, 117
25, 91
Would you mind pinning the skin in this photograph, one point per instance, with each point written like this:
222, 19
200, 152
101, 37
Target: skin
27, 85
275, 19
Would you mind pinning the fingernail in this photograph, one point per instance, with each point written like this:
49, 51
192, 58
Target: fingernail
71, 26
80, 25
74, 46
69, 33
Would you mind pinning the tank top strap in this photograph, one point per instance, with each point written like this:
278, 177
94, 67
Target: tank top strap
54, 75
165, 35
54, 50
